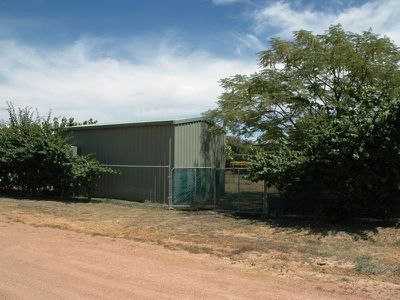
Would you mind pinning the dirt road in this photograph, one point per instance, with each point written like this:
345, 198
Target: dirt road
48, 263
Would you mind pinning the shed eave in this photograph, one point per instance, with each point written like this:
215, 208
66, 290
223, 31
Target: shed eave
135, 124
119, 125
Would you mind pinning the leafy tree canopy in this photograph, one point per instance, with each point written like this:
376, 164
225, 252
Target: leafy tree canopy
36, 156
309, 76
326, 107
238, 149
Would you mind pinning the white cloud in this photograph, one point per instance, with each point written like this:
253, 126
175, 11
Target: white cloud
251, 42
84, 80
283, 19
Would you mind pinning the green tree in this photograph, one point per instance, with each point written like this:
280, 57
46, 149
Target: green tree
326, 108
36, 156
238, 149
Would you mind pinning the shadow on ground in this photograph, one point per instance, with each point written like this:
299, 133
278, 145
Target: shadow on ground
47, 197
358, 228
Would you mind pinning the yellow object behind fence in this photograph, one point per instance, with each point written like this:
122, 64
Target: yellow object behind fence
239, 164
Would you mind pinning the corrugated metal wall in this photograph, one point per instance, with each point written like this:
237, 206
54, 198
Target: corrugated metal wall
196, 146
135, 184
133, 145
192, 145
188, 145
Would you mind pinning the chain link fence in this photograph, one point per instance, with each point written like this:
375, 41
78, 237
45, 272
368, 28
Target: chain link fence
135, 183
235, 191
193, 187
206, 188
222, 189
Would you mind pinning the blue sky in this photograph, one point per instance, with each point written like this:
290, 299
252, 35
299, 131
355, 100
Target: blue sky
141, 60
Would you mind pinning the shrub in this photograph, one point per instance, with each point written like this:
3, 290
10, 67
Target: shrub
36, 156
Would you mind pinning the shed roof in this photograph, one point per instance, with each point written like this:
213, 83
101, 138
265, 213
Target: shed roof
135, 124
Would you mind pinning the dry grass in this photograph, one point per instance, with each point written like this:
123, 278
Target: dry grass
339, 253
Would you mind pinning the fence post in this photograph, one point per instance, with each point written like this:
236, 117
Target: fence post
265, 199
215, 188
195, 186
170, 178
238, 198
163, 177
169, 175
155, 188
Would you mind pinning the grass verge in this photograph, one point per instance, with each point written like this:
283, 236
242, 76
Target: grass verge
285, 247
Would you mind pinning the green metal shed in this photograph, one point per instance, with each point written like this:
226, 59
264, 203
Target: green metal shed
146, 153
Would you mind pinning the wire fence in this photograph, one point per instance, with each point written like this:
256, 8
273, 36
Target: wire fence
228, 189
136, 183
192, 187
222, 189
235, 191
197, 187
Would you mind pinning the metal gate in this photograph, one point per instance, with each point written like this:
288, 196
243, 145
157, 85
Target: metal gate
223, 189
193, 187
236, 192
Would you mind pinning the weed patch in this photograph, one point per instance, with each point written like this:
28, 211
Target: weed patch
365, 265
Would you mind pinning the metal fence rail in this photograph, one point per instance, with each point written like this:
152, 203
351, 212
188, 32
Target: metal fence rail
235, 191
223, 189
192, 187
135, 183
227, 189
